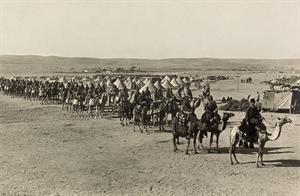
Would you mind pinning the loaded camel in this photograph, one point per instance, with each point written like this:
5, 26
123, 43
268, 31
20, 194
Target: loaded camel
187, 125
263, 137
216, 129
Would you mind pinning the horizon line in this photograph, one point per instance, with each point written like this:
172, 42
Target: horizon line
204, 57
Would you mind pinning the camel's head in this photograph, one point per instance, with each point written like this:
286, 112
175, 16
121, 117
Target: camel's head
227, 115
284, 120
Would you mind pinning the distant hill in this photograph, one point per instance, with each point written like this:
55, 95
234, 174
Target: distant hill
53, 64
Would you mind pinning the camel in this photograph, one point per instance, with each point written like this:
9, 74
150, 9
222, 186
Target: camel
157, 110
216, 130
189, 128
172, 108
100, 105
263, 137
124, 109
140, 117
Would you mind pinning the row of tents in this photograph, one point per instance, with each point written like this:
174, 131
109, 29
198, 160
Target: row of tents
152, 83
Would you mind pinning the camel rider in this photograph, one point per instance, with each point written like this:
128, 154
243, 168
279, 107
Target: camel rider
156, 95
206, 90
142, 98
188, 92
169, 94
147, 92
124, 93
253, 120
160, 94
186, 106
179, 91
211, 111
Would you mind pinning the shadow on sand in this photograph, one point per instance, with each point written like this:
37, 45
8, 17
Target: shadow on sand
279, 163
241, 150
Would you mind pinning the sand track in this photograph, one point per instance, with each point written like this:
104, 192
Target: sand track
45, 151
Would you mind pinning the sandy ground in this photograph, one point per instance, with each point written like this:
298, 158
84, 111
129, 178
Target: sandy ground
44, 151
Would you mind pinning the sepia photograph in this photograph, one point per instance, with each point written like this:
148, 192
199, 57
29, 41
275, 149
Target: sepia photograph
149, 97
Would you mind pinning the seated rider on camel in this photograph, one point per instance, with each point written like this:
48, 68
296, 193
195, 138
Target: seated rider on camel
252, 123
158, 95
211, 116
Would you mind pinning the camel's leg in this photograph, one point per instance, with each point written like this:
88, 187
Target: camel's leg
154, 121
233, 143
141, 129
261, 146
146, 127
200, 141
210, 141
174, 142
217, 141
195, 139
133, 126
188, 144
230, 154
122, 120
161, 122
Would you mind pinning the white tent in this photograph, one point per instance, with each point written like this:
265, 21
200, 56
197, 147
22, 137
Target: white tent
174, 83
62, 79
134, 79
139, 84
108, 83
117, 82
166, 84
150, 86
129, 84
158, 85
98, 79
166, 78
102, 83
185, 80
146, 80
179, 80
120, 84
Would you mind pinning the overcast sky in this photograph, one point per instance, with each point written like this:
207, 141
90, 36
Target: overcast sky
151, 29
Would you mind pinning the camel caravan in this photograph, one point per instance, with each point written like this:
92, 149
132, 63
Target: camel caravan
150, 102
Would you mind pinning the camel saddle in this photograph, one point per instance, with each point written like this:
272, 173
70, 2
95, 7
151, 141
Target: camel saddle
246, 131
183, 118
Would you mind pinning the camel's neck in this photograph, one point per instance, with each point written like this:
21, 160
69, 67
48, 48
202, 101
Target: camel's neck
275, 134
223, 124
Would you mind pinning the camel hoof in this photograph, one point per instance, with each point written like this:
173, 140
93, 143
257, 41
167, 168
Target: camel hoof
187, 153
232, 163
196, 152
